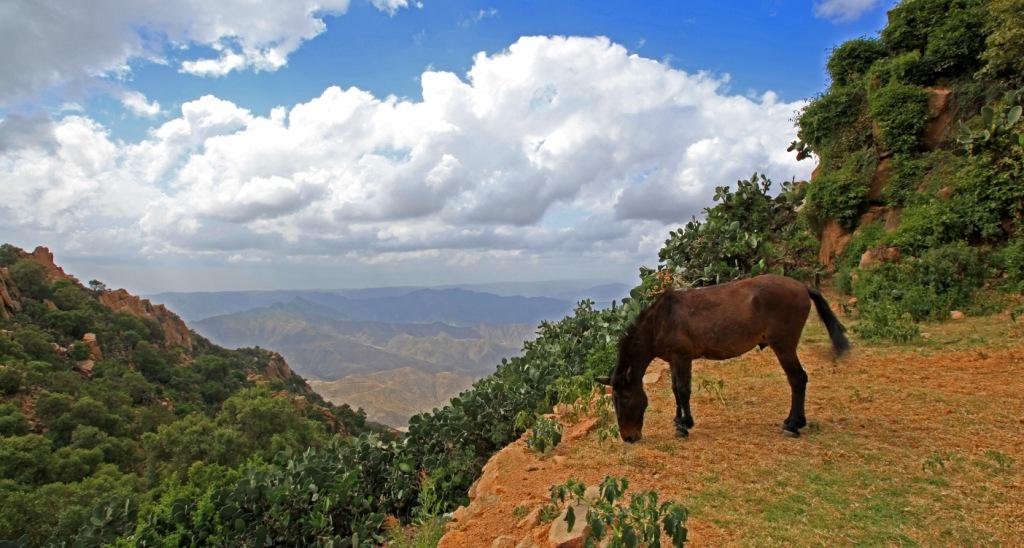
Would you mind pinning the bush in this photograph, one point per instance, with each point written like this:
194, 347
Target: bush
884, 321
950, 34
853, 59
544, 436
899, 110
1009, 263
835, 123
639, 524
905, 68
926, 288
1004, 47
10, 380
30, 278
842, 195
747, 232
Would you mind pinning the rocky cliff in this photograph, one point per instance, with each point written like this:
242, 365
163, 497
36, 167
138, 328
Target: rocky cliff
175, 331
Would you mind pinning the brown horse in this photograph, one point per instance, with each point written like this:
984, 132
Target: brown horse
717, 323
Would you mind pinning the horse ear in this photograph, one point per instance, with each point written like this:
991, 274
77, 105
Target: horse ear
603, 380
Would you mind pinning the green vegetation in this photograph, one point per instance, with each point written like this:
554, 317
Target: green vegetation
544, 436
159, 445
640, 523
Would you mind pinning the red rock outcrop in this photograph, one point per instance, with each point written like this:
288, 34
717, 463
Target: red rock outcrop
44, 257
941, 109
94, 346
10, 302
882, 254
883, 173
833, 242
175, 331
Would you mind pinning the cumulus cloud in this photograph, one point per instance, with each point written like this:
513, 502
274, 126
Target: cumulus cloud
44, 44
843, 11
139, 105
555, 146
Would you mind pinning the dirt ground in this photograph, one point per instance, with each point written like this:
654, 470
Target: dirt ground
913, 445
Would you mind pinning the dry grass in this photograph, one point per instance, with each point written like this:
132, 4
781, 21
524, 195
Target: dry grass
915, 445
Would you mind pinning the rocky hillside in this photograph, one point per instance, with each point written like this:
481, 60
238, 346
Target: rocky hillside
106, 400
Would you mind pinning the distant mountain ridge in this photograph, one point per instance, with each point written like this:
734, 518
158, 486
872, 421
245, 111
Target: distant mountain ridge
194, 306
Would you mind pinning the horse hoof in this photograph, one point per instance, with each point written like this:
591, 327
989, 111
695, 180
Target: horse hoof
682, 433
790, 433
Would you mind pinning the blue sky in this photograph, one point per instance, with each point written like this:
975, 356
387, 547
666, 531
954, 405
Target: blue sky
106, 108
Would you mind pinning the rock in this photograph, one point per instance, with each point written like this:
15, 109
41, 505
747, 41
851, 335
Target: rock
531, 520
881, 254
94, 347
85, 367
892, 219
816, 172
44, 257
561, 537
940, 117
504, 542
944, 193
175, 331
593, 494
532, 468
833, 241
956, 315
883, 173
459, 514
10, 300
852, 301
559, 459
527, 543
579, 430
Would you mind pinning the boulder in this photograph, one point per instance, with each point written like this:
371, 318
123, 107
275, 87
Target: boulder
44, 257
956, 315
941, 108
833, 241
94, 347
560, 536
880, 180
881, 254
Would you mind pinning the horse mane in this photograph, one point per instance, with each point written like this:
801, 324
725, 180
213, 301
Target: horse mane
660, 307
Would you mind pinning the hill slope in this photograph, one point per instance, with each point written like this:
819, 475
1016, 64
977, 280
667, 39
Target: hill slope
906, 445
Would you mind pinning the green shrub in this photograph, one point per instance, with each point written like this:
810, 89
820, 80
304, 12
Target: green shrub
79, 351
1004, 46
842, 195
926, 288
747, 232
10, 380
885, 321
30, 278
640, 523
836, 123
899, 110
950, 34
12, 422
544, 436
905, 68
852, 59
1008, 263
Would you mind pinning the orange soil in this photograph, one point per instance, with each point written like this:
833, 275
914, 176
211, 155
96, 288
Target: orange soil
929, 420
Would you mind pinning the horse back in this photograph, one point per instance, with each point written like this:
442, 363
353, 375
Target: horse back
726, 320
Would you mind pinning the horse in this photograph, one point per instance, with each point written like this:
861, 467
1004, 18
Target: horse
717, 322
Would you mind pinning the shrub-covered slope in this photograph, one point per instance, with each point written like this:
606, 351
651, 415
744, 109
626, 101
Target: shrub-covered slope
107, 401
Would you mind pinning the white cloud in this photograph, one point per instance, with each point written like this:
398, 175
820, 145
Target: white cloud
139, 105
480, 15
392, 6
44, 44
556, 147
843, 11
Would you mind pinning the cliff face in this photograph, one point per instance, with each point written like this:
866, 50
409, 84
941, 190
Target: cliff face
9, 302
175, 331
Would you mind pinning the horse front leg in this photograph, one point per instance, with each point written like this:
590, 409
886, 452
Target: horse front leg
682, 370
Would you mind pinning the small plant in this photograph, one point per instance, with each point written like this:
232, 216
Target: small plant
713, 387
939, 461
640, 523
997, 126
544, 436
607, 428
1002, 461
520, 511
548, 513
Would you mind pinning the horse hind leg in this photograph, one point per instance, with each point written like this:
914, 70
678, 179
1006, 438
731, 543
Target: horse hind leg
797, 378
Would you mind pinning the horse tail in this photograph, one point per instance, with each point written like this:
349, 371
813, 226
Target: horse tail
836, 331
